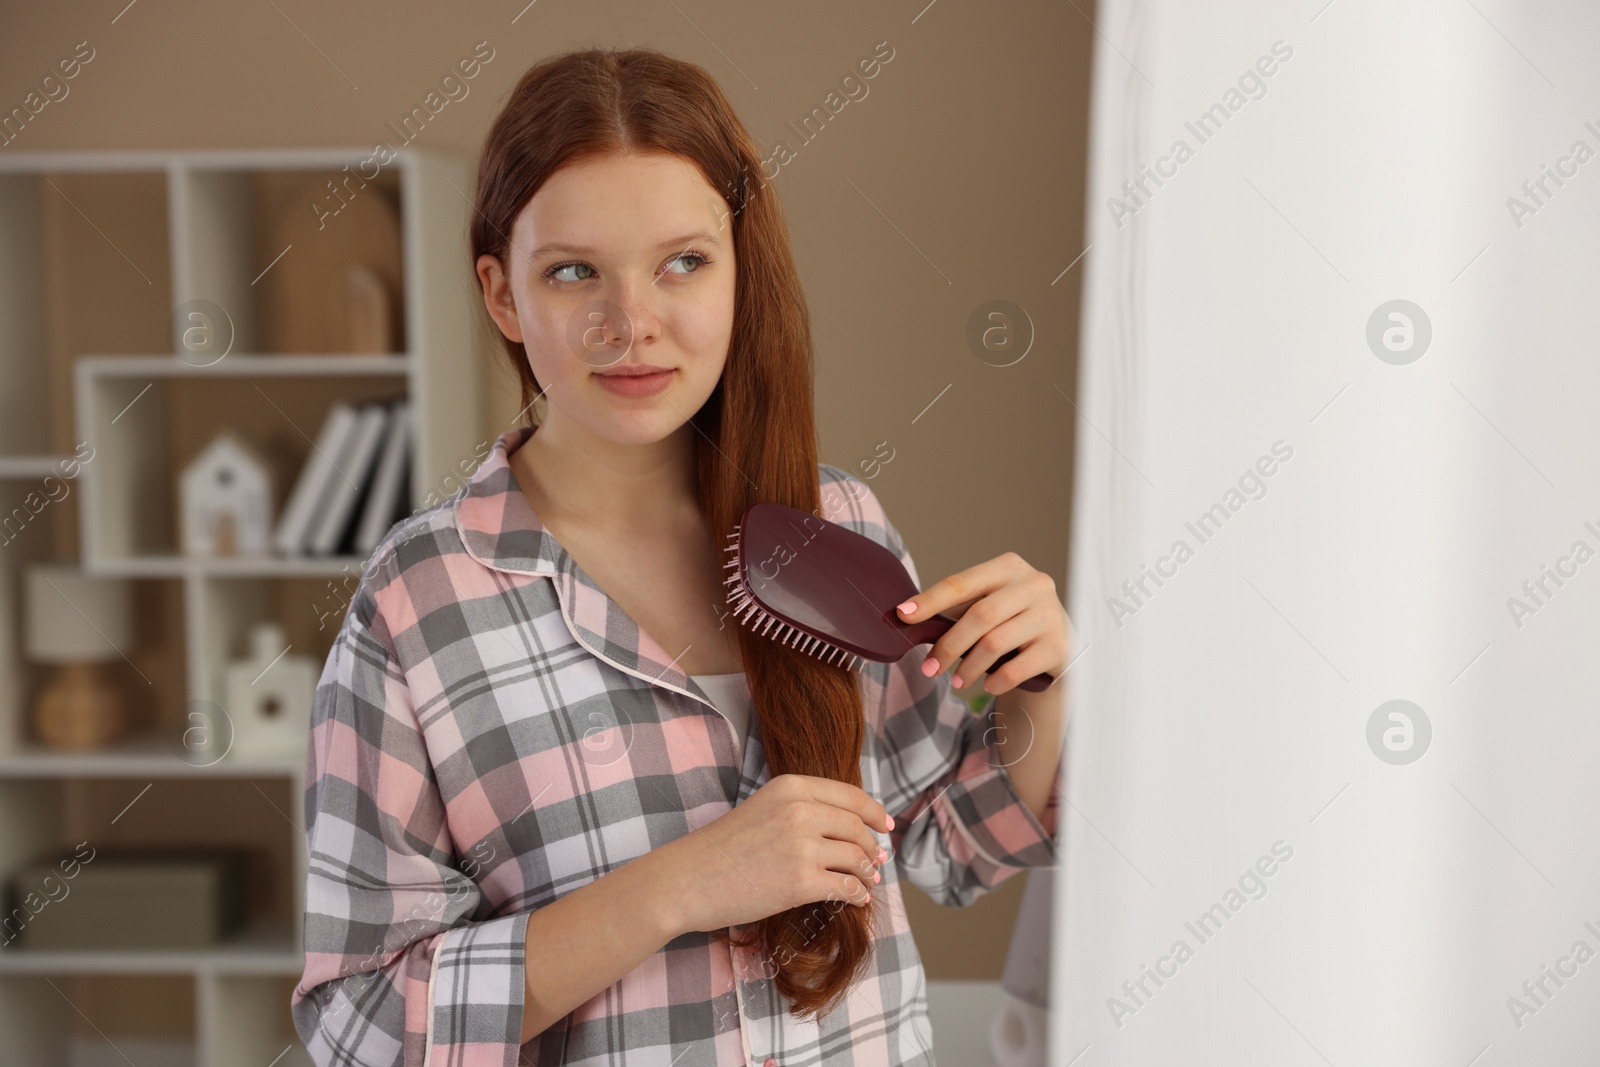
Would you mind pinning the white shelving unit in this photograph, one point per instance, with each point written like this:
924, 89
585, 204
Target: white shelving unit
124, 403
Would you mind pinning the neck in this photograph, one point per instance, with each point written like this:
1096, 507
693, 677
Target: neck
575, 476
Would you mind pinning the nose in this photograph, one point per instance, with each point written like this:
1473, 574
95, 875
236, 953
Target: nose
603, 331
633, 315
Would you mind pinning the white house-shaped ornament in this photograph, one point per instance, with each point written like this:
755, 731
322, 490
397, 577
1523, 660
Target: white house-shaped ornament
269, 696
225, 501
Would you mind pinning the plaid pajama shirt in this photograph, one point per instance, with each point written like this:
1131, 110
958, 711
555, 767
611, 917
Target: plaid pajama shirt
491, 731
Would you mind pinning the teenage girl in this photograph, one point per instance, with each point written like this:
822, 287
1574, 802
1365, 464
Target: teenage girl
562, 807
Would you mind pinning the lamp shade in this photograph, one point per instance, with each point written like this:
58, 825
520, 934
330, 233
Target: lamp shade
75, 618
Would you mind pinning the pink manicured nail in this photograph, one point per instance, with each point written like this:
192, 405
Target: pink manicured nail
877, 876
890, 818
907, 608
955, 680
930, 666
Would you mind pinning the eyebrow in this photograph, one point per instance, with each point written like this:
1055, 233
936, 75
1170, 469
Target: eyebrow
677, 242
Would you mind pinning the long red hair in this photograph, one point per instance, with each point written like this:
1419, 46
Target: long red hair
757, 439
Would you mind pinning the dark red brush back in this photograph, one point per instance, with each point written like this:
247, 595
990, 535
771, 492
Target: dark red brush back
825, 579
836, 585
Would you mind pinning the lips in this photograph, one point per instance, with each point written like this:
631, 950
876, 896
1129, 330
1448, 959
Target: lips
632, 370
638, 379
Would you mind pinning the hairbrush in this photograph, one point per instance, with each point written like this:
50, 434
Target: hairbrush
827, 591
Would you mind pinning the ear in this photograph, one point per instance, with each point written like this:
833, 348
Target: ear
497, 296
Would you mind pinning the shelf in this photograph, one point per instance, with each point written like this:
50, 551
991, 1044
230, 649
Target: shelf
230, 567
142, 757
19, 468
263, 949
249, 366
149, 233
146, 416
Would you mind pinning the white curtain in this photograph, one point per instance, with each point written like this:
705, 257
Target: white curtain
1336, 729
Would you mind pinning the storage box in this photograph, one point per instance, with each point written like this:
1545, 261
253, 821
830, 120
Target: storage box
126, 899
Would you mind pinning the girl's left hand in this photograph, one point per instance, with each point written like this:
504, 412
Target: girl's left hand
1002, 604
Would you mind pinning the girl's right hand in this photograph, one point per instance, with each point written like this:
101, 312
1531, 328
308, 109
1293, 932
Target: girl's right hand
797, 840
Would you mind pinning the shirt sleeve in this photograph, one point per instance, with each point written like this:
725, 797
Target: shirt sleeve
400, 967
960, 827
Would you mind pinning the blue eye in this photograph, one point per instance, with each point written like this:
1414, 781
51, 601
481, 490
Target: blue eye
700, 261
550, 273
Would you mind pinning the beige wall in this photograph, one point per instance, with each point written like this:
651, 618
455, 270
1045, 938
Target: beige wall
956, 180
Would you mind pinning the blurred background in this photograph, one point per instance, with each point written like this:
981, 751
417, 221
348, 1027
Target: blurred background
1315, 468
207, 181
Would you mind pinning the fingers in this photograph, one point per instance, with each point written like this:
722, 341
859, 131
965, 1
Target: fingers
851, 798
1034, 658
964, 586
962, 639
831, 851
1018, 632
846, 887
1043, 648
842, 858
843, 826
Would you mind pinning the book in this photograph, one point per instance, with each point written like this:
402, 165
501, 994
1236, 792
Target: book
387, 498
305, 500
349, 482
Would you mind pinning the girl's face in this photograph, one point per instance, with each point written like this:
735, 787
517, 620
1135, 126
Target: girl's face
618, 264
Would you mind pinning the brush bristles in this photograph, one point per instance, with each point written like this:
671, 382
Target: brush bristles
749, 612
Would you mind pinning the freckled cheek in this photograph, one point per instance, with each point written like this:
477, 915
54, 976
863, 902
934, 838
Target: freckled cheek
702, 331
553, 337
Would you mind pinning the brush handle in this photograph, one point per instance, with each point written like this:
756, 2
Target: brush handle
930, 630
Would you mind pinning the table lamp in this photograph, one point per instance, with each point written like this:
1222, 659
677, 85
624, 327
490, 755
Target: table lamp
79, 623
